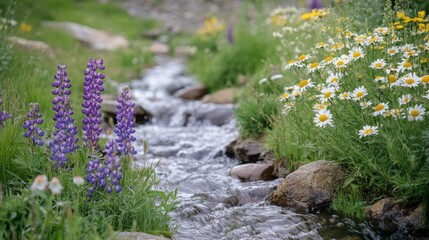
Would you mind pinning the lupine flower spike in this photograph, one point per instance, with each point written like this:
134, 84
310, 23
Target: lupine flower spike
64, 140
34, 118
93, 86
105, 174
3, 114
125, 123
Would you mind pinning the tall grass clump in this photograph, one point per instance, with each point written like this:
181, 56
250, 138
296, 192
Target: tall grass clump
360, 98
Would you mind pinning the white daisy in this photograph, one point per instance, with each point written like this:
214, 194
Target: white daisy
303, 57
368, 131
341, 62
380, 109
313, 67
425, 79
378, 64
392, 50
365, 104
380, 79
410, 80
404, 65
333, 79
327, 94
404, 99
305, 83
323, 118
416, 113
359, 93
356, 53
344, 96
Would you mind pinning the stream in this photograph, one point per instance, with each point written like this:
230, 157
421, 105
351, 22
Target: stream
187, 140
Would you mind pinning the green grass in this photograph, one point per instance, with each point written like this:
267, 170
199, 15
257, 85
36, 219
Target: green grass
218, 64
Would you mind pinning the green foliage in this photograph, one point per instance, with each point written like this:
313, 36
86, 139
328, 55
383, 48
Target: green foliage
71, 215
349, 203
219, 64
258, 105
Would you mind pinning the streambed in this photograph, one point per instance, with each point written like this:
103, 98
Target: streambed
187, 141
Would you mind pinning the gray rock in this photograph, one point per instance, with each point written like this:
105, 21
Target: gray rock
159, 48
141, 115
192, 92
217, 116
253, 172
248, 151
94, 38
309, 187
222, 96
32, 45
390, 216
138, 236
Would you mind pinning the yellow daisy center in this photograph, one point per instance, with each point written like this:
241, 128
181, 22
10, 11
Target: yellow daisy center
425, 79
368, 131
327, 94
314, 65
392, 78
340, 63
302, 57
357, 54
378, 65
409, 81
286, 95
392, 51
359, 94
291, 62
379, 107
345, 95
323, 117
415, 113
407, 65
303, 83
334, 79
328, 59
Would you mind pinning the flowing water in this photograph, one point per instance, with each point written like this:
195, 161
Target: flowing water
187, 139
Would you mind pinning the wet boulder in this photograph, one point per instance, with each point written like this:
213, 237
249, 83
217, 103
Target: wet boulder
253, 172
192, 92
391, 216
141, 115
247, 151
210, 114
310, 187
222, 96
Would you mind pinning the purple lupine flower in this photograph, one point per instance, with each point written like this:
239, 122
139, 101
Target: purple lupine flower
105, 174
34, 119
93, 86
125, 123
113, 167
94, 177
230, 35
315, 4
64, 140
3, 114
